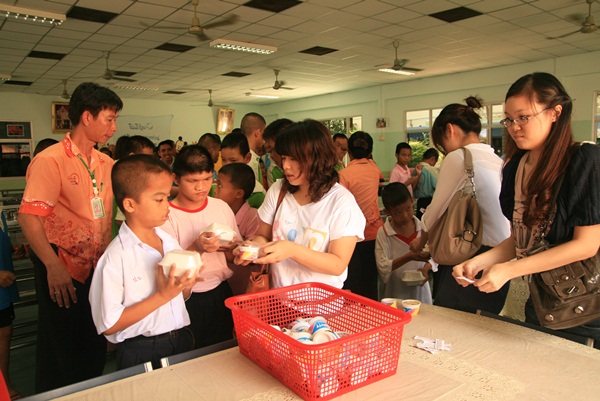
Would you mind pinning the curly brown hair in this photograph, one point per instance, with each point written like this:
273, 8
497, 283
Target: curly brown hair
309, 143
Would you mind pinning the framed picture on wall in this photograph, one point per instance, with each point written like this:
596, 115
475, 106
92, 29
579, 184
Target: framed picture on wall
16, 147
225, 121
60, 117
15, 130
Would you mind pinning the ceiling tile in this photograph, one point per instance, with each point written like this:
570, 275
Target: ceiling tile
510, 31
369, 9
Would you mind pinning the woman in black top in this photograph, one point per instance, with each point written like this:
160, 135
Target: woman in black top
540, 149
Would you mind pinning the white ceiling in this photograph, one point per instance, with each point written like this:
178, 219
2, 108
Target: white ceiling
508, 32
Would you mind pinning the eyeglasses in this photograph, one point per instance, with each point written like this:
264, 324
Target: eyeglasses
522, 120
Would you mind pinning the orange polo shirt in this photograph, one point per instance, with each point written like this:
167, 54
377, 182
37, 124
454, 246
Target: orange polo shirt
361, 177
59, 189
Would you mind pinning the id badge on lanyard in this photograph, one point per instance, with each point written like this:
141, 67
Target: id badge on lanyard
98, 208
97, 202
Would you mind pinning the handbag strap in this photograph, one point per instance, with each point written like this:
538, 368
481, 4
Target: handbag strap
282, 193
469, 170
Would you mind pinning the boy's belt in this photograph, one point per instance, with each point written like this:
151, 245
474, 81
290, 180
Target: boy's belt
165, 336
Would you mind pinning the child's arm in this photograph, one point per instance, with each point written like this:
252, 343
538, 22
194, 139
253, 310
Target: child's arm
409, 256
414, 179
6, 278
167, 288
333, 262
425, 270
382, 252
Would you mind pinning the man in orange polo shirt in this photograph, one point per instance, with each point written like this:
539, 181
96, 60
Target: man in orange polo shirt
66, 216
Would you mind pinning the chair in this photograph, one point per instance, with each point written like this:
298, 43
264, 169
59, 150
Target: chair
173, 359
86, 384
567, 336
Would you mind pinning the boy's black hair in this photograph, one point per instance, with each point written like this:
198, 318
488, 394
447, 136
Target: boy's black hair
394, 194
250, 122
360, 145
130, 175
209, 139
166, 142
273, 129
431, 152
43, 144
241, 176
338, 135
402, 145
126, 145
236, 141
193, 159
89, 96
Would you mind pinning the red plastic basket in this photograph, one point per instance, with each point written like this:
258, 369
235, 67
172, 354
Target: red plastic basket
369, 352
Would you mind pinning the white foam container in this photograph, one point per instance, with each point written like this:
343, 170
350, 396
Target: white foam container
412, 277
184, 261
225, 232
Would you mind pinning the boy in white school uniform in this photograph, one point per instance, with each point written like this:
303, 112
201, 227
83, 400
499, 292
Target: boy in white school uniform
134, 304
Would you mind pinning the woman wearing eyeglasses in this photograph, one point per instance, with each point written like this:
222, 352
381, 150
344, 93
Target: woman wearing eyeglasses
538, 119
457, 126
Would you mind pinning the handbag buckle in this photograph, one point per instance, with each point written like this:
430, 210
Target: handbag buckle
469, 235
572, 290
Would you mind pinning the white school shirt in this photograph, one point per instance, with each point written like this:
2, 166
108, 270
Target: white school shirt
255, 164
487, 167
314, 225
186, 225
126, 275
389, 247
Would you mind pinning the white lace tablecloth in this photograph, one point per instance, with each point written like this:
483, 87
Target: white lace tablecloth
490, 360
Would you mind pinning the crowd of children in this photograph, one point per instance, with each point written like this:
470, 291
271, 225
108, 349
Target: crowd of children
306, 223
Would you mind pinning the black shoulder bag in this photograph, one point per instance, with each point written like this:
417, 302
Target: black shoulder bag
569, 295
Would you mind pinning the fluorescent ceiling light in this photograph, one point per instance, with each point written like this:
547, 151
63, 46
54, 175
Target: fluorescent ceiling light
242, 46
29, 14
262, 96
401, 72
5, 77
137, 87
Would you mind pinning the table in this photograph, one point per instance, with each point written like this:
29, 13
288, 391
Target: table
489, 360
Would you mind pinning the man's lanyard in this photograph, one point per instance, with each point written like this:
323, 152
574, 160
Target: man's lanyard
92, 176
97, 203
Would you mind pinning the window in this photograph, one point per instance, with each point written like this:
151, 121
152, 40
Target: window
419, 123
344, 125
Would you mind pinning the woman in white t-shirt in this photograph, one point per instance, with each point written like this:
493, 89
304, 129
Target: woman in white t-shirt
311, 235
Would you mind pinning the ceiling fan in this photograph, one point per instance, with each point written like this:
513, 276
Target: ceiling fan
65, 94
110, 75
588, 24
277, 84
398, 65
198, 30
